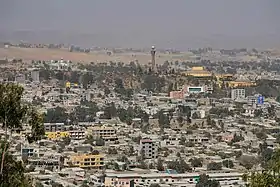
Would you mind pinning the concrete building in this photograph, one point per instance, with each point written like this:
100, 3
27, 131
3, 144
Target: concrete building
88, 161
53, 127
102, 131
29, 151
195, 89
20, 79
108, 134
182, 180
35, 76
237, 94
57, 135
148, 149
235, 84
77, 134
198, 72
48, 160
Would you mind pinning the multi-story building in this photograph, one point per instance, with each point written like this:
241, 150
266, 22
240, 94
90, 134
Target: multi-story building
57, 135
89, 161
198, 72
255, 100
182, 180
197, 139
48, 160
236, 84
77, 134
103, 131
53, 127
29, 151
237, 94
148, 148
108, 134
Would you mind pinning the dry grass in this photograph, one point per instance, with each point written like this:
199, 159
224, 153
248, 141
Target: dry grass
51, 54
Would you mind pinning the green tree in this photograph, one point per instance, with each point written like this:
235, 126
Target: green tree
228, 163
237, 138
13, 171
37, 128
170, 88
204, 181
163, 120
107, 91
179, 165
214, 166
99, 142
195, 116
13, 113
278, 99
247, 161
56, 115
110, 111
154, 185
160, 166
67, 140
269, 177
196, 162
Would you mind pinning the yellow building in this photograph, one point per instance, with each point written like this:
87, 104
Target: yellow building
224, 76
57, 135
198, 72
235, 84
68, 84
89, 161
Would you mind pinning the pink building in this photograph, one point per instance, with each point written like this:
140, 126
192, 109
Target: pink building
227, 138
177, 94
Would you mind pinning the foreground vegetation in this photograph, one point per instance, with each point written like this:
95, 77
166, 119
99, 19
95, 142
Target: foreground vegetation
14, 114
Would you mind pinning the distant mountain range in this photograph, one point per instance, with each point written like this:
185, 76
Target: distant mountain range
126, 40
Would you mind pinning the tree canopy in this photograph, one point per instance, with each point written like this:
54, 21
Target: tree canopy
205, 181
13, 113
269, 176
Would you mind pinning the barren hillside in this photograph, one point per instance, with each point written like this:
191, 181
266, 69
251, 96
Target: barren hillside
51, 54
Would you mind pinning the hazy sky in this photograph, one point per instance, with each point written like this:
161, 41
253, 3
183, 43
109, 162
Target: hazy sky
177, 24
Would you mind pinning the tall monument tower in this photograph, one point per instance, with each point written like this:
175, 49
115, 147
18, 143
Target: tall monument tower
153, 54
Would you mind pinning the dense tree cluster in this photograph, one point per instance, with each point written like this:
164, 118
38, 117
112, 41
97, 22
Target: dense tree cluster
179, 165
221, 112
205, 181
214, 166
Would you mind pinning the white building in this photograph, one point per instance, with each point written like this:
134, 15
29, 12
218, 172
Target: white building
148, 148
35, 76
182, 180
237, 94
20, 79
77, 134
